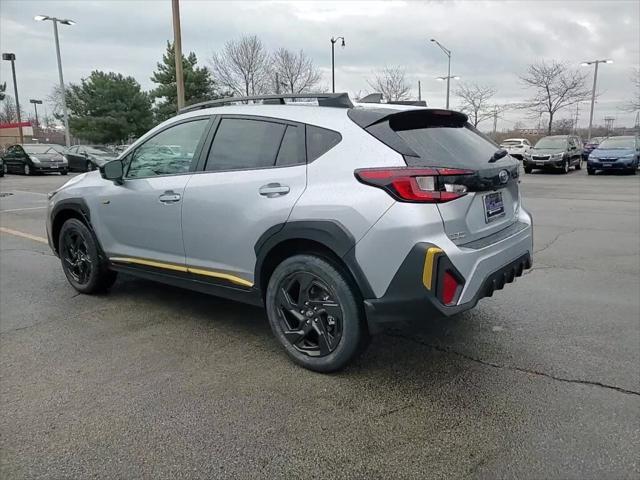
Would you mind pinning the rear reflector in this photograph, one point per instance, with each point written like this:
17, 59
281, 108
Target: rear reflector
449, 288
416, 185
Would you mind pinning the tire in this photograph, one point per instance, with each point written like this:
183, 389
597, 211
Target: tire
64, 172
579, 164
26, 169
309, 299
591, 171
90, 167
81, 263
565, 167
528, 169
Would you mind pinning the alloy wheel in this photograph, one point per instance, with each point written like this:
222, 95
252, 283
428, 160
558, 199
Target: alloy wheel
75, 255
309, 314
27, 169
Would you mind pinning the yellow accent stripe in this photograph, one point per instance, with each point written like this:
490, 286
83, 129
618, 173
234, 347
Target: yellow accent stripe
224, 276
427, 273
16, 233
180, 268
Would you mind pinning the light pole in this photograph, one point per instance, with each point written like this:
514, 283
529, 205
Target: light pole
55, 21
35, 107
11, 57
448, 77
333, 61
593, 92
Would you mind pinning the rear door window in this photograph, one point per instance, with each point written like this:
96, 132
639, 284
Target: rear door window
320, 141
245, 144
290, 152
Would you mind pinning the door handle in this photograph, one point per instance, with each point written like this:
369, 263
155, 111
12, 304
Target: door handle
169, 197
273, 190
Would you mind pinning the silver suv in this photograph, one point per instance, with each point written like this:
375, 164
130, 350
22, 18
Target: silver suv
338, 218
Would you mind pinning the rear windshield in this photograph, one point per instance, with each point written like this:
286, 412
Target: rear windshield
39, 149
448, 146
510, 143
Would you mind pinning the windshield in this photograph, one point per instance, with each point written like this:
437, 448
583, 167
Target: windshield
40, 148
618, 142
552, 142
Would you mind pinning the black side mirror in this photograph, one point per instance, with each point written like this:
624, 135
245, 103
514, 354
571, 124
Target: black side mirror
113, 171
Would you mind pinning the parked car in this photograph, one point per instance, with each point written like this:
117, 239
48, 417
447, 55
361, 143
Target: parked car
615, 153
120, 148
554, 152
590, 146
85, 158
31, 158
516, 147
2, 167
339, 219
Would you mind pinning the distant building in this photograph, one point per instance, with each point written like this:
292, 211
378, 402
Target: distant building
10, 133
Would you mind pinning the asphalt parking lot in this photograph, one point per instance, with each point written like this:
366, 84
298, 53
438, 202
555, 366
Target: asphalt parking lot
540, 381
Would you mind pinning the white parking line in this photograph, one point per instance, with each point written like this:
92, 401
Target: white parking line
16, 233
21, 209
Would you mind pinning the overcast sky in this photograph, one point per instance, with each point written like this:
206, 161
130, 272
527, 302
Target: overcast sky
492, 42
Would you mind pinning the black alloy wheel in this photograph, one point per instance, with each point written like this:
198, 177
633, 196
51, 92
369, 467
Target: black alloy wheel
309, 313
565, 166
86, 270
315, 311
75, 254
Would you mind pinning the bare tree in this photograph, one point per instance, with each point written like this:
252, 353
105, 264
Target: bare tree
556, 86
55, 100
633, 104
475, 102
243, 66
294, 71
391, 83
8, 111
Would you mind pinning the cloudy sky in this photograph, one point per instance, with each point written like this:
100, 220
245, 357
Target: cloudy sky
492, 42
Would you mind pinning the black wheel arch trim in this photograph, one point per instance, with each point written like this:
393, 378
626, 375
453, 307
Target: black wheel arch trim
329, 233
79, 206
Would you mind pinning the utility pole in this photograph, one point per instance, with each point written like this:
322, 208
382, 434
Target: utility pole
63, 21
333, 61
12, 58
495, 119
419, 91
177, 51
593, 92
35, 107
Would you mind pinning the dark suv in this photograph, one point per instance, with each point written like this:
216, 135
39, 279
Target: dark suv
554, 152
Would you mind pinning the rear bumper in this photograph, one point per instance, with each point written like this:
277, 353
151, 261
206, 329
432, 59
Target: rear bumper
408, 299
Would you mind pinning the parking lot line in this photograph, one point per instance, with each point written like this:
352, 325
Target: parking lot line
16, 233
20, 209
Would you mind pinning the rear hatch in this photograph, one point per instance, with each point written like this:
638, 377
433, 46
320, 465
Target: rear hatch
465, 160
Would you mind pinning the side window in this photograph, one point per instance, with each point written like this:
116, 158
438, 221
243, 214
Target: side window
290, 153
169, 152
242, 143
320, 141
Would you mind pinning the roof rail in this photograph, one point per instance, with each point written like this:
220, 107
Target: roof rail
339, 100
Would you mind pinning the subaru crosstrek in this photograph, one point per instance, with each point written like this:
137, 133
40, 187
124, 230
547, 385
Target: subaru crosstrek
339, 219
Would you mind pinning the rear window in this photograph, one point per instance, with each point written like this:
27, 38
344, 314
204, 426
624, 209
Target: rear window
447, 147
511, 143
320, 141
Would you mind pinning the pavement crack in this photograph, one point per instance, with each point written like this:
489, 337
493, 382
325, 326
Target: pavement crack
26, 250
391, 411
555, 239
528, 371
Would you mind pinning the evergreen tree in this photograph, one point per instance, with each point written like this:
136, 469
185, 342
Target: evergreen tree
198, 84
108, 107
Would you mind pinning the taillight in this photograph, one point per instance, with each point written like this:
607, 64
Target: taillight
417, 185
449, 288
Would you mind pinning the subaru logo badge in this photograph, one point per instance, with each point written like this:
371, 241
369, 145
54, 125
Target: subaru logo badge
503, 176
